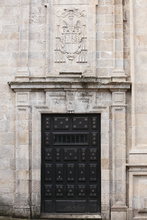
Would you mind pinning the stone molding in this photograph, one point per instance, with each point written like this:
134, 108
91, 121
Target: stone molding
88, 83
36, 149
22, 154
28, 120
118, 111
71, 216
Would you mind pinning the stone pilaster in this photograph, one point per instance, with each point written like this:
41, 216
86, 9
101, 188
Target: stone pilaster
23, 63
22, 166
118, 40
118, 210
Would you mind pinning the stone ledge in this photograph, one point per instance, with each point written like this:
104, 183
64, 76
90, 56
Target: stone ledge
141, 165
55, 217
73, 83
71, 216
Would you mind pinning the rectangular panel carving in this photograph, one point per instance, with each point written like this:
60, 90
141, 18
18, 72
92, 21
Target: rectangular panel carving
81, 191
94, 139
94, 123
47, 138
138, 194
48, 172
82, 172
93, 154
93, 191
47, 123
70, 191
59, 172
93, 172
73, 37
80, 123
59, 154
48, 191
48, 154
61, 123
70, 172
60, 191
83, 154
70, 154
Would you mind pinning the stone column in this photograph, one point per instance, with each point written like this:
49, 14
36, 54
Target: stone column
118, 41
22, 174
23, 63
118, 210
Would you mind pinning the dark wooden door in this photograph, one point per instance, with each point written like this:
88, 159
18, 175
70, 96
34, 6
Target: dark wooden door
71, 172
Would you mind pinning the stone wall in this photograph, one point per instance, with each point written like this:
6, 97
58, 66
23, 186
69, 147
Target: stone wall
137, 154
36, 79
9, 36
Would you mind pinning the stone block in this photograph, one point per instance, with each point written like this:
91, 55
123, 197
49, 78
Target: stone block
22, 152
7, 186
6, 151
36, 211
36, 174
21, 201
36, 199
6, 175
105, 45
22, 164
36, 186
6, 210
6, 199
105, 163
22, 187
21, 212
22, 175
118, 215
6, 163
23, 137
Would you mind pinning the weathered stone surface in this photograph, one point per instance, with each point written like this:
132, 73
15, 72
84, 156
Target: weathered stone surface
87, 73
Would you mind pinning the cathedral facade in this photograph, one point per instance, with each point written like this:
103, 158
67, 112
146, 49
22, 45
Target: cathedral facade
73, 140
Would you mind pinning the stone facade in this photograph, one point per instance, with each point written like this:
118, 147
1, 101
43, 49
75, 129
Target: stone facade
99, 68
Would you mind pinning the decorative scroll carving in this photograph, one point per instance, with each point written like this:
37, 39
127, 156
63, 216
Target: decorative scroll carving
71, 40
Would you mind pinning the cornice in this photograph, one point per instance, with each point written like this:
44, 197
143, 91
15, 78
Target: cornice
71, 83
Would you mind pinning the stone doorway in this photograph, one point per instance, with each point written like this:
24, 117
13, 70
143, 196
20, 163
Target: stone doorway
70, 168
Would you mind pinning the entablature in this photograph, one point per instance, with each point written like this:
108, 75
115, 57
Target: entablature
71, 83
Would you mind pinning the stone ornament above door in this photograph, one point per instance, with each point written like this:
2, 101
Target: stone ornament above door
71, 37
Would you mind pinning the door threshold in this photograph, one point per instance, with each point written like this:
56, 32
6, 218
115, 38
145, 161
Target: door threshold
71, 216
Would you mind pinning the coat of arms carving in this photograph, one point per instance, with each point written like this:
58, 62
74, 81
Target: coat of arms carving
71, 39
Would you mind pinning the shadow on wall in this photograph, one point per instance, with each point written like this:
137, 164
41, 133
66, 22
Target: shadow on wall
5, 209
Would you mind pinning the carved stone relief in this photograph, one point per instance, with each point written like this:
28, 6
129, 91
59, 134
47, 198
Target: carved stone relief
56, 101
71, 34
70, 101
71, 38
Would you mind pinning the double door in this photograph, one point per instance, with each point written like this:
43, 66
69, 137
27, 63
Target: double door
70, 172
